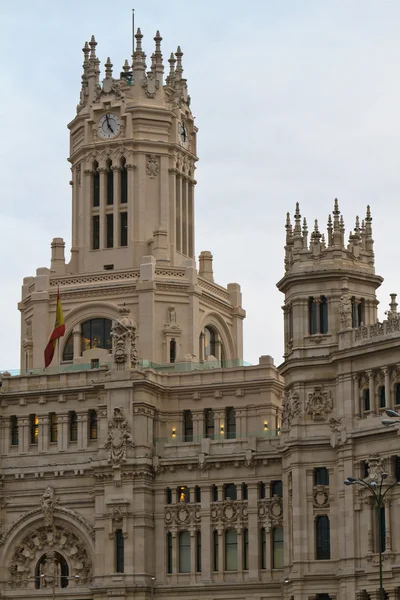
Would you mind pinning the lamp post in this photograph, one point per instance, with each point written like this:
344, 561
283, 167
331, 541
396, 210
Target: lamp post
395, 420
375, 489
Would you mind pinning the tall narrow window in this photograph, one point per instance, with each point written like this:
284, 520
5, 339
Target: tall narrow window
92, 422
197, 493
210, 339
198, 551
321, 476
53, 426
184, 552
119, 551
209, 423
397, 390
68, 352
230, 418
110, 185
230, 492
73, 426
312, 316
290, 323
169, 552
172, 351
183, 493
361, 312
277, 548
14, 429
96, 185
187, 426
382, 397
323, 315
261, 490
244, 491
322, 538
168, 496
396, 467
276, 488
245, 541
124, 183
215, 549
123, 228
367, 404
214, 493
231, 550
34, 429
110, 230
96, 232
381, 522
263, 548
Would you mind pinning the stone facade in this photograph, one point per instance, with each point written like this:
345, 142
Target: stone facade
152, 461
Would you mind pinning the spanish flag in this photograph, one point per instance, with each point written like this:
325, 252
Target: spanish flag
59, 330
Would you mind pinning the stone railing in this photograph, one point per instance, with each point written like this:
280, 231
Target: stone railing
368, 332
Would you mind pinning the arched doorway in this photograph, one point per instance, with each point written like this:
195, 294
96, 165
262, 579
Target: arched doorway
51, 571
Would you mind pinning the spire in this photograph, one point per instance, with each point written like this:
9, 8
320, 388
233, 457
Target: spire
297, 237
171, 76
92, 45
153, 63
289, 230
329, 228
316, 236
337, 235
159, 67
126, 67
369, 242
85, 76
108, 68
305, 234
342, 229
179, 69
139, 57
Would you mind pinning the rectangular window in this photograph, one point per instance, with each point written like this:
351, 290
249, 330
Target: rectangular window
367, 403
14, 430
110, 230
53, 427
169, 552
209, 423
321, 476
73, 426
198, 551
277, 548
124, 186
187, 426
215, 549
381, 518
276, 488
261, 490
245, 540
92, 422
263, 548
230, 418
96, 232
396, 467
323, 539
214, 494
123, 228
34, 429
184, 552
110, 187
230, 491
323, 315
244, 491
197, 493
183, 493
312, 316
382, 397
119, 551
96, 189
231, 550
168, 496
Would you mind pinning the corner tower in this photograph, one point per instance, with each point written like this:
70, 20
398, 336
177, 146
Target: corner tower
133, 155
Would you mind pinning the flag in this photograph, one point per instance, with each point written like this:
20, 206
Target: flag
59, 330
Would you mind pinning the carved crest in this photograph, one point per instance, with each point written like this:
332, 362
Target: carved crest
270, 511
150, 85
321, 496
119, 438
229, 512
152, 166
319, 403
182, 515
291, 408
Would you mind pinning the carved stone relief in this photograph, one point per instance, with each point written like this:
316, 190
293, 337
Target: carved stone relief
270, 512
182, 515
119, 439
321, 496
150, 85
291, 408
229, 513
375, 468
319, 403
48, 503
123, 335
152, 166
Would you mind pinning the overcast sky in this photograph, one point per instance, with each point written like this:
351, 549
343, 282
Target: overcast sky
294, 100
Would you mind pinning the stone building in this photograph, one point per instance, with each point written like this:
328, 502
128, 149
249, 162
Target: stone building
153, 461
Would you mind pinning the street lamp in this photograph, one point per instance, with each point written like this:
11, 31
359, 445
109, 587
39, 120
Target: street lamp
376, 492
395, 420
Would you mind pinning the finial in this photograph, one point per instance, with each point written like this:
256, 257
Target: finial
92, 45
153, 62
305, 229
329, 228
85, 51
139, 38
108, 68
297, 220
158, 40
179, 69
289, 230
305, 234
126, 67
158, 61
323, 244
316, 234
171, 75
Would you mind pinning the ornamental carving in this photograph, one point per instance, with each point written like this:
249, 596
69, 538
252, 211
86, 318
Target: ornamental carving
48, 503
291, 408
182, 515
123, 335
345, 311
375, 468
43, 541
119, 439
321, 496
229, 512
152, 166
150, 85
319, 403
270, 511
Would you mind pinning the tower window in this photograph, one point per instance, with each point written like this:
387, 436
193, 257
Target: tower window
123, 228
367, 403
96, 186
209, 423
92, 422
34, 429
230, 418
187, 426
53, 426
119, 551
73, 426
172, 351
96, 232
96, 333
277, 548
124, 184
184, 552
110, 185
322, 537
382, 397
321, 476
14, 430
183, 493
210, 342
318, 315
312, 316
169, 552
323, 315
110, 230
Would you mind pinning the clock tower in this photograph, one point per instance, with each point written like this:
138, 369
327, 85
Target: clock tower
132, 156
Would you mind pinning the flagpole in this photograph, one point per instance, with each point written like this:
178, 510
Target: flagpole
59, 349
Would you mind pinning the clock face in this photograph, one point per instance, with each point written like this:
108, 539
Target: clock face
183, 136
109, 126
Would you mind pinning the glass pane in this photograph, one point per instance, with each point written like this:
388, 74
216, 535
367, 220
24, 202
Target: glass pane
97, 333
277, 541
124, 186
68, 353
184, 552
123, 229
231, 550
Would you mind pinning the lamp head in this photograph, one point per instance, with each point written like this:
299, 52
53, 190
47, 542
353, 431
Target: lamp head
352, 479
388, 422
392, 413
384, 475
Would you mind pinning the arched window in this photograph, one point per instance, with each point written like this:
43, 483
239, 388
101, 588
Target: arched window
322, 538
172, 351
68, 352
51, 568
210, 339
124, 183
96, 333
367, 404
184, 552
323, 315
231, 550
110, 183
96, 185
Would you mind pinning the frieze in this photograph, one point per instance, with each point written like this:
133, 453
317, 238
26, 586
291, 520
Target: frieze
182, 515
270, 512
321, 496
229, 512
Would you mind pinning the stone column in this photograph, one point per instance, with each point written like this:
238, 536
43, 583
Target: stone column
5, 425
130, 167
356, 392
43, 437
388, 536
239, 538
103, 203
175, 552
206, 535
62, 432
76, 333
372, 396
23, 423
221, 551
116, 169
82, 442
388, 399
192, 555
253, 526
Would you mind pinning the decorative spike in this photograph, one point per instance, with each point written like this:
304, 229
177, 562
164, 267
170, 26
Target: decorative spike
108, 68
305, 229
153, 62
369, 242
126, 67
323, 244
139, 38
159, 67
329, 228
179, 69
289, 230
297, 220
85, 51
336, 213
305, 234
92, 45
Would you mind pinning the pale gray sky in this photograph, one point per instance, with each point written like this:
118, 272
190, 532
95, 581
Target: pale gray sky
295, 100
